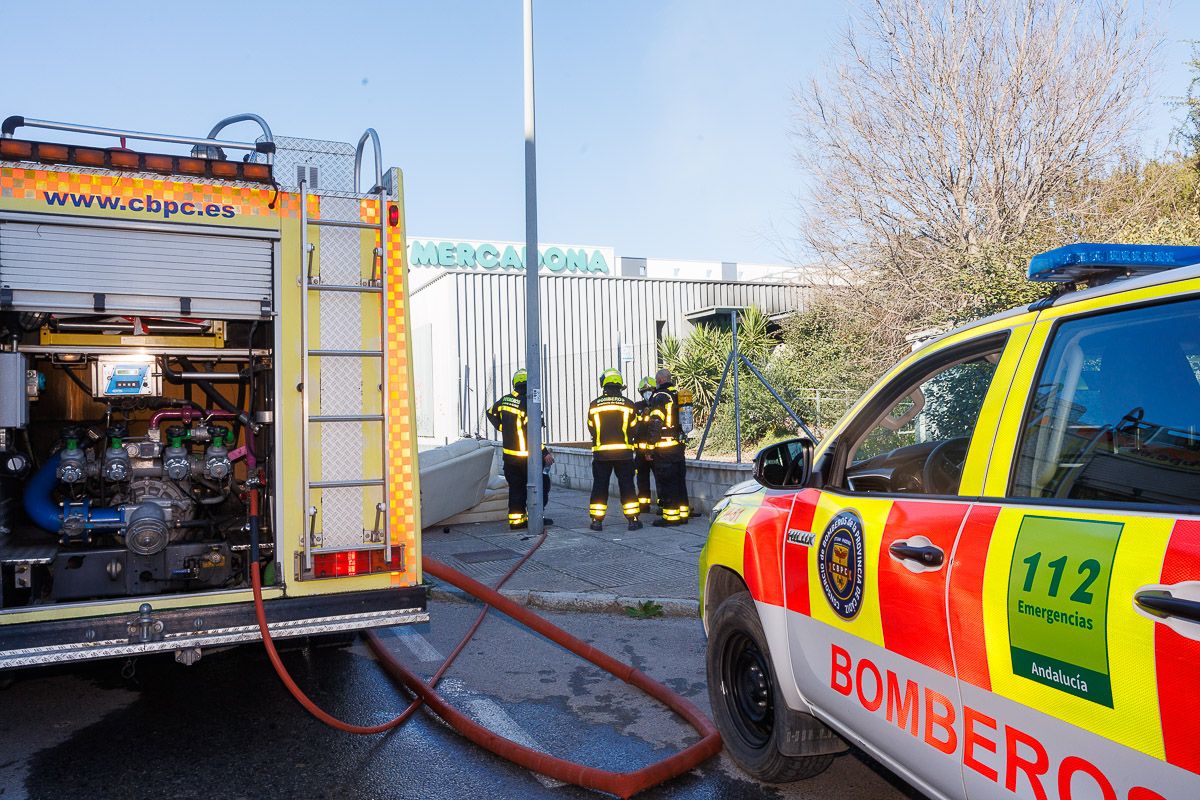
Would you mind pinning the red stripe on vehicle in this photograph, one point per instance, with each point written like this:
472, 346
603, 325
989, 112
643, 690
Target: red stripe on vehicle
966, 597
1177, 657
764, 537
912, 605
795, 582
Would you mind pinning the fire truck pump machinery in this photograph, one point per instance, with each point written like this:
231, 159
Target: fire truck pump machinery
136, 464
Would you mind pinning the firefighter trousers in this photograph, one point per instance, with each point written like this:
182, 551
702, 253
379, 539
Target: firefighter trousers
602, 472
642, 468
516, 472
671, 479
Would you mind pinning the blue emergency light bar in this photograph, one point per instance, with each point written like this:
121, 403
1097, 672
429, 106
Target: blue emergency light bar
1081, 262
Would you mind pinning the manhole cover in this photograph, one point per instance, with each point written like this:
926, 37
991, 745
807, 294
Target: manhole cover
481, 556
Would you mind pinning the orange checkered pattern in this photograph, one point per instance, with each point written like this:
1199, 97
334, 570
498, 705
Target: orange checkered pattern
369, 210
28, 184
402, 488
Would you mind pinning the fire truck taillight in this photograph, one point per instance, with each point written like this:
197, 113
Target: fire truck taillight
393, 215
124, 159
350, 563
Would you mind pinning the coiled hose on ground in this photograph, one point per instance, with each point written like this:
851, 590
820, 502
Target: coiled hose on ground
621, 784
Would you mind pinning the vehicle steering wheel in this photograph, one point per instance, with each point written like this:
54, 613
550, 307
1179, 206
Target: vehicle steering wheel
942, 471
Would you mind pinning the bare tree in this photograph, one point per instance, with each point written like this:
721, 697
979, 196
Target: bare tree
949, 132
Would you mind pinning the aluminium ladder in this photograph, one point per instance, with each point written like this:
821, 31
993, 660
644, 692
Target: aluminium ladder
349, 408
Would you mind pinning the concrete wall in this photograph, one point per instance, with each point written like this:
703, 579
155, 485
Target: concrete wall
707, 480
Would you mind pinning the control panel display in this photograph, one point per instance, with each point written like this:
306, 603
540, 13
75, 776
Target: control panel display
124, 378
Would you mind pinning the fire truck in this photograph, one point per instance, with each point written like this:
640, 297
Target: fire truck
204, 366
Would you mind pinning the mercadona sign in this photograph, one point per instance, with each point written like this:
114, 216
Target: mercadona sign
508, 256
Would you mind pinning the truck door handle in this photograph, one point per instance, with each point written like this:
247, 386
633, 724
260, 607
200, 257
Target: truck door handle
1164, 604
918, 554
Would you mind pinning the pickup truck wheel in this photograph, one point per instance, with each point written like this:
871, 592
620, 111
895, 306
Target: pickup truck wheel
744, 695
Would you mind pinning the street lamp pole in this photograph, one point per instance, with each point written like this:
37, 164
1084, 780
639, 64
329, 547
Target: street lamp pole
533, 337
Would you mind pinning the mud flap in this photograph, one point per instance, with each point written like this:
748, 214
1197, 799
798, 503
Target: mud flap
805, 735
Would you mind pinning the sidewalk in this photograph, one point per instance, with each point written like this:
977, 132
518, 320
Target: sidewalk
577, 568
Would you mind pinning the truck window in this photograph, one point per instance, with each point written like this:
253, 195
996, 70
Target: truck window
918, 443
1115, 412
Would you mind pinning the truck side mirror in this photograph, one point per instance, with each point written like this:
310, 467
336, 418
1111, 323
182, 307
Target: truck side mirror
783, 465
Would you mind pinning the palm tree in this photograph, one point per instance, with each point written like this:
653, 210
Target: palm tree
699, 360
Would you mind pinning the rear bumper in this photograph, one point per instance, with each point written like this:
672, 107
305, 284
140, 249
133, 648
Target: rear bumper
185, 629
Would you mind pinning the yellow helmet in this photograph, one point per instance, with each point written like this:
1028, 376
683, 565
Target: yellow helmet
520, 376
647, 384
611, 377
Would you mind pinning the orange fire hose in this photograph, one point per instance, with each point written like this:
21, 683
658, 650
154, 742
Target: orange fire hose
621, 784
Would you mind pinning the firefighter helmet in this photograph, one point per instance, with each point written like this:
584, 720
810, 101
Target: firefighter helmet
519, 377
647, 384
611, 377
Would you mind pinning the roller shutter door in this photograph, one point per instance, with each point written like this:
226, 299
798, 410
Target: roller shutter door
83, 268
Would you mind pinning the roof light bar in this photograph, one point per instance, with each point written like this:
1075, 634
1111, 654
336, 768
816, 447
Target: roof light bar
1082, 262
122, 159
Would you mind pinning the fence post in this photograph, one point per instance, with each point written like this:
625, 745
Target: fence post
736, 358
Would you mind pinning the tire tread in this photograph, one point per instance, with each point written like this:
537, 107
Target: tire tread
766, 764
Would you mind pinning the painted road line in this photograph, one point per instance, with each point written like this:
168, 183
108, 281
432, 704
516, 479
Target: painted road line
416, 644
496, 719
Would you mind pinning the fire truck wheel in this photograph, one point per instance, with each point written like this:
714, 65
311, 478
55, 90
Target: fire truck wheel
744, 694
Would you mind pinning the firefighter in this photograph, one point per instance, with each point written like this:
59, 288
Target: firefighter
612, 422
641, 464
508, 415
667, 455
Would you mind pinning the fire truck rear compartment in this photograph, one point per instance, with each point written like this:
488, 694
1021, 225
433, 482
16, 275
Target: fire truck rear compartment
124, 468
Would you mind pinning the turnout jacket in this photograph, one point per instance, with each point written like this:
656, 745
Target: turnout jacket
508, 415
662, 431
642, 442
612, 422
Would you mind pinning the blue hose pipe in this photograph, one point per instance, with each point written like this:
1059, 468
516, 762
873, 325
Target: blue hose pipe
39, 502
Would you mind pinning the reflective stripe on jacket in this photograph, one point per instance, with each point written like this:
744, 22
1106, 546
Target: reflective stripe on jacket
642, 434
508, 416
612, 422
663, 430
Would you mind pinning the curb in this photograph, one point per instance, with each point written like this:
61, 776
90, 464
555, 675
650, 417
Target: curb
604, 602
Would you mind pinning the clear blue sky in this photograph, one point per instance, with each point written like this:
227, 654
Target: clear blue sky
662, 126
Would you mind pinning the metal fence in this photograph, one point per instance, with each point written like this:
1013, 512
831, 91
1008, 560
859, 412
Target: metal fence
821, 408
588, 325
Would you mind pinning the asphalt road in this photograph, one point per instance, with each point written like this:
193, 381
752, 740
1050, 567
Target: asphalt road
226, 728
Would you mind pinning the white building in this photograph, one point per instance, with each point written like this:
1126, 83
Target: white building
598, 311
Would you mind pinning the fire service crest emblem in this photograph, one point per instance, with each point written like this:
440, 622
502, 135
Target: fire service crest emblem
840, 562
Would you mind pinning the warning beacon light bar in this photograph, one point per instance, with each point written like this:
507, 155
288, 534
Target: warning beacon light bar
1077, 263
206, 161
